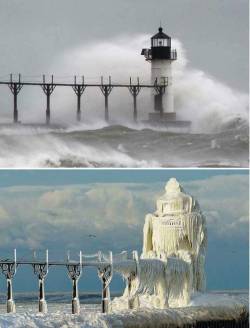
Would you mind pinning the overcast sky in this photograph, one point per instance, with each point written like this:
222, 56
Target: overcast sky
60, 209
34, 33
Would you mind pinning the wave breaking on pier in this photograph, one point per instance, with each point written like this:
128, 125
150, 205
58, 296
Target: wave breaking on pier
218, 137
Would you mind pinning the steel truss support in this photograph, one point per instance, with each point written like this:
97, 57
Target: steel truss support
74, 273
79, 89
134, 90
105, 274
41, 271
9, 271
48, 88
15, 88
106, 90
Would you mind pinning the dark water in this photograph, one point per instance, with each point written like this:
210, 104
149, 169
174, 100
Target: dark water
56, 297
120, 146
94, 297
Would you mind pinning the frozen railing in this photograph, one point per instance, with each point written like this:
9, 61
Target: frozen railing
105, 264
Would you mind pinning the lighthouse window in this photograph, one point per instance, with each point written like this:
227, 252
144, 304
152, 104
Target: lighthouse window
160, 42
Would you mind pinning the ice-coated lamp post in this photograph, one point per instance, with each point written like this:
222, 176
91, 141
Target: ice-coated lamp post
41, 270
74, 273
9, 270
105, 274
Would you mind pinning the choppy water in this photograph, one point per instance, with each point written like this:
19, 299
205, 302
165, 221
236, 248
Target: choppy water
219, 116
120, 146
58, 301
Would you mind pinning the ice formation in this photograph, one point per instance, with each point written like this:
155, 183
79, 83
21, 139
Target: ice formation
171, 266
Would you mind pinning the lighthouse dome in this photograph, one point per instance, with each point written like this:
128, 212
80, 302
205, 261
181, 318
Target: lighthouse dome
161, 39
175, 200
160, 47
160, 35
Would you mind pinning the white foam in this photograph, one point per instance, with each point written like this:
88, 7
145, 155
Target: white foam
208, 102
47, 150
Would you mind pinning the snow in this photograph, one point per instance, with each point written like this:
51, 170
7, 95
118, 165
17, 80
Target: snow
203, 306
164, 286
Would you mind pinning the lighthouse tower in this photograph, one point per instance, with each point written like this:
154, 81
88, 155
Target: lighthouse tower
161, 56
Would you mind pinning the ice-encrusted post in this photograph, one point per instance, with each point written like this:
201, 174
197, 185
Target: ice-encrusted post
8, 268
105, 273
41, 271
133, 300
75, 272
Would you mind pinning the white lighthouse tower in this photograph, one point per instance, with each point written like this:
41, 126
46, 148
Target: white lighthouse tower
161, 57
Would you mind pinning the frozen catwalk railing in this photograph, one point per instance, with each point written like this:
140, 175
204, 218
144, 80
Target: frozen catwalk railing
16, 83
103, 263
133, 270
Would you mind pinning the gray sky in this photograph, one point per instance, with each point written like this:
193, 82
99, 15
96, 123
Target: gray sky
214, 33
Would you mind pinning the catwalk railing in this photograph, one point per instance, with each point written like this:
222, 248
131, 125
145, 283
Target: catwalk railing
105, 267
16, 83
103, 264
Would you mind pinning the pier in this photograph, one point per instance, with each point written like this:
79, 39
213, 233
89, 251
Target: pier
75, 269
106, 265
48, 85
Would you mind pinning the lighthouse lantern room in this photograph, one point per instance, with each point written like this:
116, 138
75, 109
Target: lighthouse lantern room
161, 56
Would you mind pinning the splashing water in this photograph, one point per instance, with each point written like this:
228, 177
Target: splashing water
218, 113
210, 104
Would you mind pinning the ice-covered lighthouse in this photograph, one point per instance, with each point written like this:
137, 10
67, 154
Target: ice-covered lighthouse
161, 56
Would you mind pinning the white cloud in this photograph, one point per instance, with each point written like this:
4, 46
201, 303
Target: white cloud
4, 216
224, 201
56, 198
64, 216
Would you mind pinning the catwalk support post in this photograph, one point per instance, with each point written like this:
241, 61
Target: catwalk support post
74, 273
134, 90
106, 90
105, 274
79, 89
48, 88
133, 299
15, 88
9, 270
41, 270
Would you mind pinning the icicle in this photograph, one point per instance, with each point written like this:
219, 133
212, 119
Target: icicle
177, 229
171, 266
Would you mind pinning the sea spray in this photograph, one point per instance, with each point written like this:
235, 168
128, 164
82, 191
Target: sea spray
217, 113
209, 103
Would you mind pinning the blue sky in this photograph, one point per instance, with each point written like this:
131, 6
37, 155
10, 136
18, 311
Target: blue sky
58, 209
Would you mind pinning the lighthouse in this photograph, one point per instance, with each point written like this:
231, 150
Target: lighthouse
161, 57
